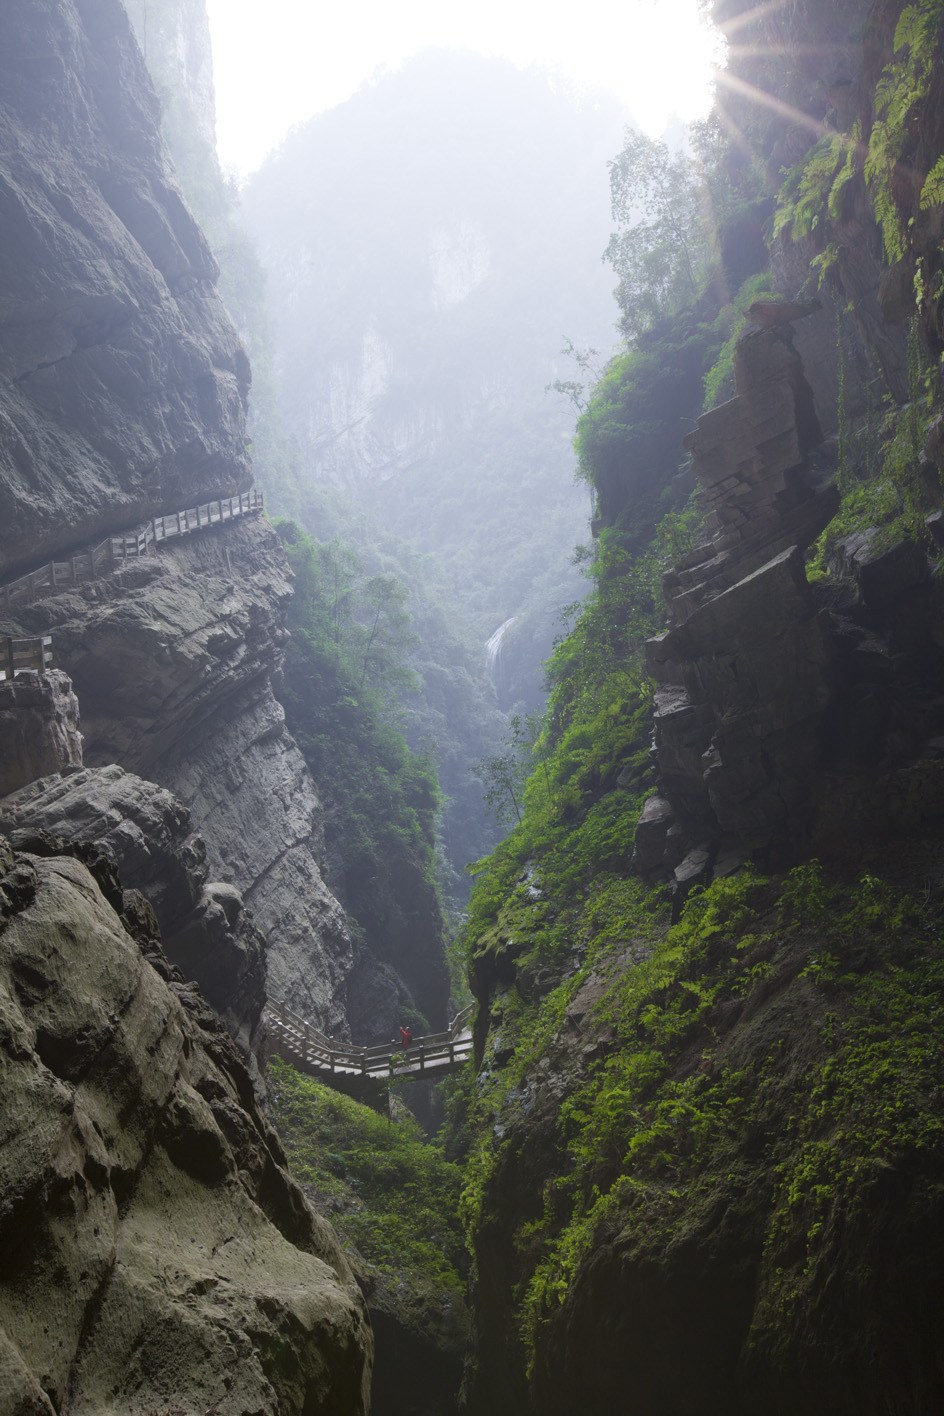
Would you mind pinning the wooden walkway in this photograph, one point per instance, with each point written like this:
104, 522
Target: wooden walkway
100, 560
312, 1051
26, 656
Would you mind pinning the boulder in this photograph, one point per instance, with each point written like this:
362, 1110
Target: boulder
157, 1256
147, 832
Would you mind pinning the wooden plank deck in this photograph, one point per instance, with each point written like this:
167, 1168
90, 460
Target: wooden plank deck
300, 1043
99, 560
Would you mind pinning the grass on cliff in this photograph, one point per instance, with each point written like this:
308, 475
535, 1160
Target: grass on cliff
391, 1197
774, 1058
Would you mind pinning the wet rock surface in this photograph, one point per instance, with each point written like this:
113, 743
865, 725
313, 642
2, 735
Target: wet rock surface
156, 1253
173, 659
775, 696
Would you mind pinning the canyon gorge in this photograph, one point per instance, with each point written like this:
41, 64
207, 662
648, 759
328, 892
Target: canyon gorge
288, 514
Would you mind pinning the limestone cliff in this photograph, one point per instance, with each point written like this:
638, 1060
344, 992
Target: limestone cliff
156, 1254
173, 659
122, 395
124, 384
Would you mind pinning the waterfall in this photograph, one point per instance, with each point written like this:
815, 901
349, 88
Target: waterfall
494, 654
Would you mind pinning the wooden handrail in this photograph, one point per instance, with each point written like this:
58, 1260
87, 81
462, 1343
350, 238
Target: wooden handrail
26, 656
99, 560
314, 1049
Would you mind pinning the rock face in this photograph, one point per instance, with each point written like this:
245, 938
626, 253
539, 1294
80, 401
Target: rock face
775, 697
39, 728
122, 394
157, 1256
146, 832
744, 671
175, 41
122, 381
173, 659
751, 458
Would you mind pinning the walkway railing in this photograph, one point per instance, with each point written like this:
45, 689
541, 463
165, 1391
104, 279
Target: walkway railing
298, 1042
99, 560
18, 656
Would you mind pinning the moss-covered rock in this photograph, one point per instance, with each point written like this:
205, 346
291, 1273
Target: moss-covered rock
393, 1200
720, 1187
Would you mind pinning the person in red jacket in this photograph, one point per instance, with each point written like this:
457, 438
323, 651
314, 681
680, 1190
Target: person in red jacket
406, 1036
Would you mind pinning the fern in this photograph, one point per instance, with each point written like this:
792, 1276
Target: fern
812, 195
900, 94
932, 193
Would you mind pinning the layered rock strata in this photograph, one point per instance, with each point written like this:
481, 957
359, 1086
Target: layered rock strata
173, 658
156, 1254
780, 703
752, 460
743, 673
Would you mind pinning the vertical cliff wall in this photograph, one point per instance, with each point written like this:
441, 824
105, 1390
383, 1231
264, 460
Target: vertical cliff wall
123, 390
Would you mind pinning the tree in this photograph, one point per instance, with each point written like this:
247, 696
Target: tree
663, 241
387, 632
506, 773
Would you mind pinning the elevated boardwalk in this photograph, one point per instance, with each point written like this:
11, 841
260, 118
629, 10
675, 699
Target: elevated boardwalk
26, 656
100, 560
323, 1057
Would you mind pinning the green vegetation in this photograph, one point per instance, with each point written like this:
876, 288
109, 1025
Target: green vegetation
789, 1119
390, 1196
880, 472
663, 242
343, 666
629, 439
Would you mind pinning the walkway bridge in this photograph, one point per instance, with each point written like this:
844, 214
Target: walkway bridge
102, 559
323, 1057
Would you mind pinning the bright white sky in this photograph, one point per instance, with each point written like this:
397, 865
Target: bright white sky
278, 62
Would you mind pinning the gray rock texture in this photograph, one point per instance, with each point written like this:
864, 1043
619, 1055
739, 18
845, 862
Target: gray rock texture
751, 458
780, 702
173, 659
122, 394
156, 1254
122, 380
147, 832
39, 728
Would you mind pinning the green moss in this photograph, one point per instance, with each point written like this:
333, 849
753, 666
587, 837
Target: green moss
774, 1055
389, 1195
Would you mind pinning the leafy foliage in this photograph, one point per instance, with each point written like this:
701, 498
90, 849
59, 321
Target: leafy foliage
342, 665
899, 97
629, 439
663, 241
